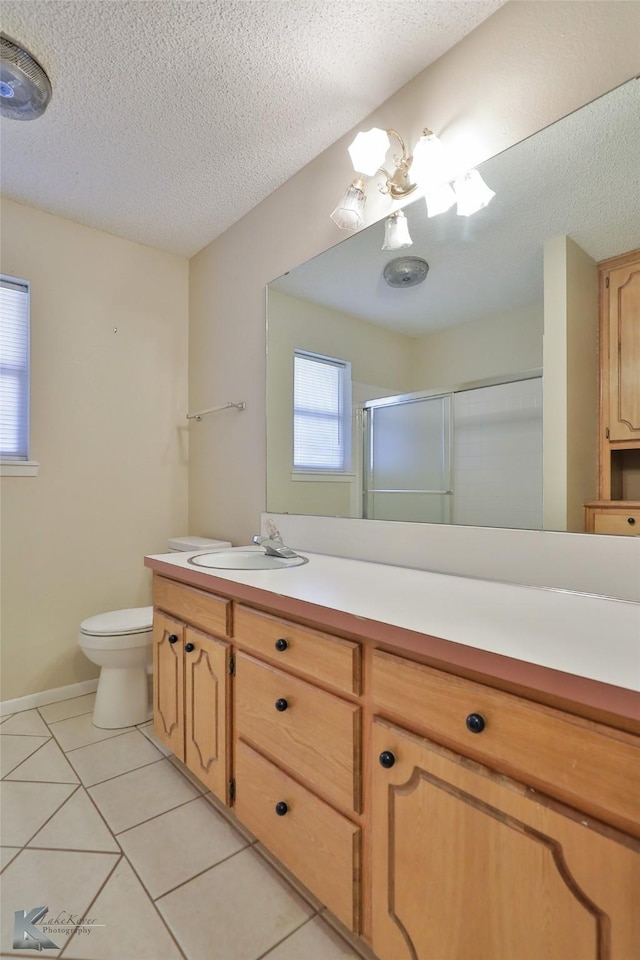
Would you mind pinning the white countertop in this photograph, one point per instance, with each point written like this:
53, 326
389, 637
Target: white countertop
580, 634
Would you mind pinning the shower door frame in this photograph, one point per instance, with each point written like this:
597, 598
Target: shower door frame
531, 374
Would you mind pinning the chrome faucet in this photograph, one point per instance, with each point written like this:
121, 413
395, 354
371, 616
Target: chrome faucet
275, 547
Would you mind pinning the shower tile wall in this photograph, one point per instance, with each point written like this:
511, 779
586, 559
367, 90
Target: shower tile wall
497, 456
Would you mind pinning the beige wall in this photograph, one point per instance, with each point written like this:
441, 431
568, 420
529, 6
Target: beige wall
107, 427
525, 67
492, 346
570, 436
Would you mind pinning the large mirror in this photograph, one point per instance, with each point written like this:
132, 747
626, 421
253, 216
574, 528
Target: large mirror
471, 397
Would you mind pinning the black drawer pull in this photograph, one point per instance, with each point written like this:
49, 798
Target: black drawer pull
281, 705
173, 638
387, 759
281, 644
189, 647
631, 520
476, 723
281, 808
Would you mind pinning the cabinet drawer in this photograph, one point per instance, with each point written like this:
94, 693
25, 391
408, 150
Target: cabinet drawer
209, 613
626, 523
316, 735
311, 839
594, 768
331, 660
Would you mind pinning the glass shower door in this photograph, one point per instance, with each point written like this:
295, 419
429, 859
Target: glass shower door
407, 473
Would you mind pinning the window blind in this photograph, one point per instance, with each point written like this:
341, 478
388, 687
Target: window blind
14, 369
321, 413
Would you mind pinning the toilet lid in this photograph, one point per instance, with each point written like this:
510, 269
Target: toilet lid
118, 623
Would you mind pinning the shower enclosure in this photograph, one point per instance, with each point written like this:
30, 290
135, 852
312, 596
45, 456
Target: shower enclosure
471, 455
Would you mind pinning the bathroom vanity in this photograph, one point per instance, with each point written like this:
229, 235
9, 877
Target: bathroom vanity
417, 749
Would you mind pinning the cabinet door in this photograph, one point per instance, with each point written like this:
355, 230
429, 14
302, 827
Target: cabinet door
207, 702
168, 682
469, 865
624, 353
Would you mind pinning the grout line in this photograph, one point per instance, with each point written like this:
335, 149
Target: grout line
284, 939
50, 817
156, 816
48, 734
72, 717
158, 912
99, 891
24, 759
123, 774
211, 866
92, 743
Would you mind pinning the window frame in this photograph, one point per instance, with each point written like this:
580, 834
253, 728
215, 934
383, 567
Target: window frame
311, 473
22, 466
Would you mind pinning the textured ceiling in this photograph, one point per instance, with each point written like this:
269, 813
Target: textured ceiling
171, 120
579, 176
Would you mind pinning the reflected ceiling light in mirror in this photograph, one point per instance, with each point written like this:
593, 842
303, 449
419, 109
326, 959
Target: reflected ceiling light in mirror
396, 232
431, 169
472, 193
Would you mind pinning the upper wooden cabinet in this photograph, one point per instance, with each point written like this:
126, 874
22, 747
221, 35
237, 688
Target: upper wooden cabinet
621, 347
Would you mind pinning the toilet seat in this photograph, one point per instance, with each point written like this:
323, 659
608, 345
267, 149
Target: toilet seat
118, 623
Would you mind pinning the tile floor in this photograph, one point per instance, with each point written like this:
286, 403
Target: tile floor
106, 830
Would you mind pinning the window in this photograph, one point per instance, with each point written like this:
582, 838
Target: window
14, 373
321, 414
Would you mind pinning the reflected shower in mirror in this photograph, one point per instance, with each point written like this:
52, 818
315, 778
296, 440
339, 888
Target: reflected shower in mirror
457, 409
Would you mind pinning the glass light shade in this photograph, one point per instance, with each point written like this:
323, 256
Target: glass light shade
431, 165
472, 193
368, 151
349, 214
396, 232
440, 199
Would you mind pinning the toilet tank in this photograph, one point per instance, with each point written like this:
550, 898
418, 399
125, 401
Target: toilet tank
186, 544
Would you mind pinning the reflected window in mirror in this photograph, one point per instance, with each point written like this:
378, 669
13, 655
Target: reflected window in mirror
321, 414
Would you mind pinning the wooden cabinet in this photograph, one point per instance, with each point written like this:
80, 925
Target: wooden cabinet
619, 414
470, 865
299, 744
614, 517
191, 699
316, 842
312, 733
437, 816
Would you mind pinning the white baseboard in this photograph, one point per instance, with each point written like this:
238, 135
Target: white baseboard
47, 696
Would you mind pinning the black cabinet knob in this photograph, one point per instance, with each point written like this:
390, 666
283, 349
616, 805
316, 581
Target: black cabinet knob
631, 520
281, 644
281, 808
173, 638
476, 723
189, 647
387, 759
281, 705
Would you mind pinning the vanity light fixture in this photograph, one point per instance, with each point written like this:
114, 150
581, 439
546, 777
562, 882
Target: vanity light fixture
396, 232
430, 168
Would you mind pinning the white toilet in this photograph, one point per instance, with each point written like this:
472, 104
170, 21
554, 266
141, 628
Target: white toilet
120, 643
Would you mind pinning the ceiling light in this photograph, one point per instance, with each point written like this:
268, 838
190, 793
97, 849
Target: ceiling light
368, 151
472, 193
396, 232
405, 271
25, 89
440, 199
349, 214
431, 165
430, 168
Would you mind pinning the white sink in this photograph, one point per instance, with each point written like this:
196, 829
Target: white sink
241, 558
